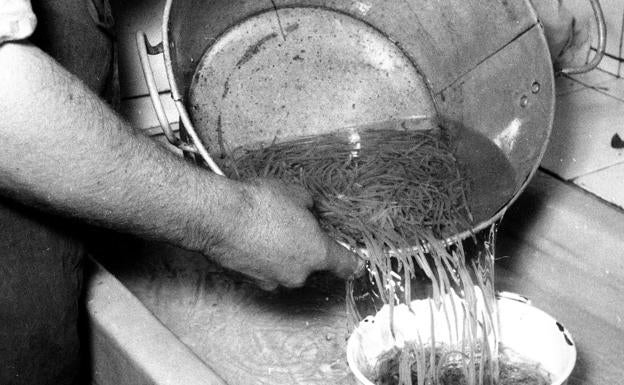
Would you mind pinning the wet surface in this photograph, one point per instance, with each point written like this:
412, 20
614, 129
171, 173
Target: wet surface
558, 246
246, 335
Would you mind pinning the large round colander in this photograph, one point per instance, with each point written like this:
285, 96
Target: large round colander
244, 72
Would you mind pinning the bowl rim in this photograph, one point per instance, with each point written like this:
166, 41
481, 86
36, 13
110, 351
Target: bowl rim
501, 297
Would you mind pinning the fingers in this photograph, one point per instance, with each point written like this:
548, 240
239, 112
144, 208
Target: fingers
338, 260
266, 285
290, 233
343, 262
290, 282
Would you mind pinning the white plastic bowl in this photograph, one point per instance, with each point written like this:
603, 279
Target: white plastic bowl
524, 328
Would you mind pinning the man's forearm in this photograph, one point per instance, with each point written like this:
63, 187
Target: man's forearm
63, 149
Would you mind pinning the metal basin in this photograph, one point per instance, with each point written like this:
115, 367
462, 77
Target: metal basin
248, 72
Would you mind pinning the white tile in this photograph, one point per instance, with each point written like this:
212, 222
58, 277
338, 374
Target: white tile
139, 111
567, 84
611, 66
133, 16
608, 184
580, 141
614, 87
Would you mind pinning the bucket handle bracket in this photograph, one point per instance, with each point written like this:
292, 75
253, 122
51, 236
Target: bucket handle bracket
602, 43
145, 49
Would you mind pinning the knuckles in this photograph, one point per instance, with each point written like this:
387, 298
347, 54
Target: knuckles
297, 277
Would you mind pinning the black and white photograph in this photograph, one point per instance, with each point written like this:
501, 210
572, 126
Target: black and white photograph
311, 192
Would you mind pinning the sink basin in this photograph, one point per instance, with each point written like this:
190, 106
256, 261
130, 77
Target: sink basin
160, 315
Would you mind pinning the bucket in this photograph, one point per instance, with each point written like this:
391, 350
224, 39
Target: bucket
244, 72
524, 329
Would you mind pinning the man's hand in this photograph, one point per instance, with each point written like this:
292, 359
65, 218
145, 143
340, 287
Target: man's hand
273, 238
63, 149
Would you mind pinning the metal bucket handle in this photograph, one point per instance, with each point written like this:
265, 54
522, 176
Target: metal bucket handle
602, 43
145, 49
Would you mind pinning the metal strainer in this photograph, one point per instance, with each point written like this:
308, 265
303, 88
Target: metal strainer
244, 72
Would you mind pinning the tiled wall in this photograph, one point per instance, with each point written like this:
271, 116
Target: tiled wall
590, 115
144, 15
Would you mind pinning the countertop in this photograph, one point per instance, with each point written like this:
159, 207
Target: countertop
558, 245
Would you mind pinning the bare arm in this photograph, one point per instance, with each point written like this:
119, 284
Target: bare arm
63, 149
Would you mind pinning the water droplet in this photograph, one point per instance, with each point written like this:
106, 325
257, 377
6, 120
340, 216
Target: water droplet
535, 87
524, 101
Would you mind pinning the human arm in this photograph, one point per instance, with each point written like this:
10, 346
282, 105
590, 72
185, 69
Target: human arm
64, 150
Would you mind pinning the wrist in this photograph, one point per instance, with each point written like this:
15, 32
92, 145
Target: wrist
215, 211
